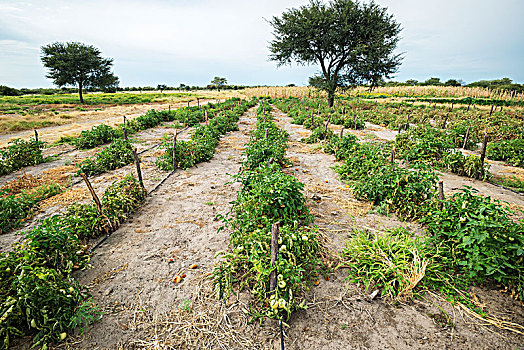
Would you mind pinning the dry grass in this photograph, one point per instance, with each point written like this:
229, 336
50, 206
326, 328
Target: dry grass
201, 323
67, 198
442, 91
405, 91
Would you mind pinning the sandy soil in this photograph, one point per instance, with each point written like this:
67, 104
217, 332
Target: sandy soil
131, 274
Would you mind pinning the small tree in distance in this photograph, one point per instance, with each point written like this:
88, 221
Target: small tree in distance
77, 64
161, 87
218, 82
352, 42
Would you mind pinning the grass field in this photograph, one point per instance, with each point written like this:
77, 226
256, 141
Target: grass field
28, 112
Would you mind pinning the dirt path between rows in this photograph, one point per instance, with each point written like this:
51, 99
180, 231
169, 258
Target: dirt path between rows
132, 273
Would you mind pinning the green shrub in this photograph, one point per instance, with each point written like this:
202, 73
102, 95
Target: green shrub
20, 153
480, 238
319, 134
15, 209
98, 135
117, 155
343, 147
402, 190
509, 151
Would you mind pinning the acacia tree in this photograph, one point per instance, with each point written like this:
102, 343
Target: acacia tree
352, 42
218, 82
77, 64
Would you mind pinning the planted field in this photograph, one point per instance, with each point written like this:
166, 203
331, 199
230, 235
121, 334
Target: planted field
369, 252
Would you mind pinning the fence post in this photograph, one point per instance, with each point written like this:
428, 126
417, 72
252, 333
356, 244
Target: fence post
93, 194
138, 170
483, 155
174, 150
274, 251
441, 193
466, 138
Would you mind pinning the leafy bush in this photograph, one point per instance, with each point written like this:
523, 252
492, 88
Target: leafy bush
98, 135
120, 199
480, 238
261, 148
20, 153
401, 190
362, 160
117, 155
509, 151
319, 134
38, 297
426, 145
15, 209
341, 147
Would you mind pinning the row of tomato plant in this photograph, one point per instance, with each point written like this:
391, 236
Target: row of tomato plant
38, 295
471, 238
188, 116
505, 130
420, 144
204, 139
267, 196
17, 208
20, 153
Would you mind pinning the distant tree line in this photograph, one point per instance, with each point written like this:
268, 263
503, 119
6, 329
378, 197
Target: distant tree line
497, 84
9, 91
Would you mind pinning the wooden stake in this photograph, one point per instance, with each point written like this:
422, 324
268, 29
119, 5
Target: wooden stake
267, 131
399, 128
445, 120
342, 132
124, 120
274, 251
36, 135
441, 193
198, 103
138, 170
93, 194
466, 138
326, 127
169, 108
174, 150
393, 155
125, 133
483, 156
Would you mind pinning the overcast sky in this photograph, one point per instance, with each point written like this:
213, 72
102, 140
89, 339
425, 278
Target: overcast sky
191, 41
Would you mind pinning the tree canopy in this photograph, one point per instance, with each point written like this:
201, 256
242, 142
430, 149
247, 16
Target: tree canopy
352, 42
218, 82
77, 64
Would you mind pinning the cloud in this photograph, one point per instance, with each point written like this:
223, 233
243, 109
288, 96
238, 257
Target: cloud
192, 41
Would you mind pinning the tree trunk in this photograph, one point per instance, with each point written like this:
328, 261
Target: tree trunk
80, 92
331, 98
